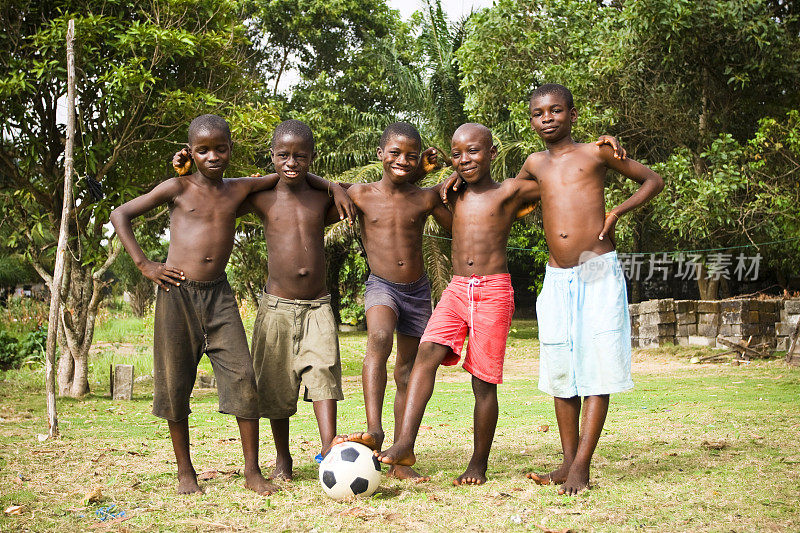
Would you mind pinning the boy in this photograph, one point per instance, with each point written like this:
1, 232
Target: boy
196, 312
294, 337
393, 212
478, 300
584, 327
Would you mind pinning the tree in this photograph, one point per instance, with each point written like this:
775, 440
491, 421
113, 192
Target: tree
143, 72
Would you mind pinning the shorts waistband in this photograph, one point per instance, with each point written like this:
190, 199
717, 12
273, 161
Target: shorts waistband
609, 258
197, 284
274, 301
478, 280
403, 287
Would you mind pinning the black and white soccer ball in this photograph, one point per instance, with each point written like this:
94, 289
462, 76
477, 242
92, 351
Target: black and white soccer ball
349, 469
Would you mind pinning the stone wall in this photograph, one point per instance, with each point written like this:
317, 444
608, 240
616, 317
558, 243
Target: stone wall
789, 316
699, 322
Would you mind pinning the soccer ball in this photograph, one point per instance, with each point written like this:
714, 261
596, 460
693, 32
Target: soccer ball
349, 469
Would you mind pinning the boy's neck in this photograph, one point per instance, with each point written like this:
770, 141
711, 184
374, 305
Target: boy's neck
484, 182
561, 145
293, 185
387, 183
201, 179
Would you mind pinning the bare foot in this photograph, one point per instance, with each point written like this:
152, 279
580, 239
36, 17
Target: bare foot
255, 481
406, 472
577, 480
338, 439
283, 470
554, 477
370, 440
187, 483
472, 476
397, 455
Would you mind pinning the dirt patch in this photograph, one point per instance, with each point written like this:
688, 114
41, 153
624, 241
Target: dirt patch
121, 348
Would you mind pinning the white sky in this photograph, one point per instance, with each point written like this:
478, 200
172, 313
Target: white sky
455, 9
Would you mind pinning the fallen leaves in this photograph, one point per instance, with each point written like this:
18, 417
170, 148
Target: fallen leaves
544, 428
94, 495
213, 474
13, 510
714, 445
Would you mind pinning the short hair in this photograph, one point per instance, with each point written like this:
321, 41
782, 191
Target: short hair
209, 123
482, 130
556, 89
295, 128
399, 129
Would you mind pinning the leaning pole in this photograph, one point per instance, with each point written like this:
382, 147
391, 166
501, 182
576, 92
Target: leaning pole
63, 235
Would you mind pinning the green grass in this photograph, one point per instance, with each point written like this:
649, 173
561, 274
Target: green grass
657, 467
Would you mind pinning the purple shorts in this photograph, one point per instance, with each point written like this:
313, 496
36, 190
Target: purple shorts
411, 302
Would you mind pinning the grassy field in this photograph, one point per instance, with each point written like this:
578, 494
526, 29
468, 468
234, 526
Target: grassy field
691, 448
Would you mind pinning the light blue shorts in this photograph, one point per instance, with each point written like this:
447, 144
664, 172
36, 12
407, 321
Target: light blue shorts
584, 329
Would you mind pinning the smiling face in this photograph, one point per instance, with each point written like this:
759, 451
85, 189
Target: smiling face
292, 156
551, 117
400, 157
472, 152
211, 152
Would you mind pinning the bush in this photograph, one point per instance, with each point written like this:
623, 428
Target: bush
29, 349
8, 350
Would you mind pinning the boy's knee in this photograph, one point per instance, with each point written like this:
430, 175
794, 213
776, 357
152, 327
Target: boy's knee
379, 341
402, 373
431, 354
483, 389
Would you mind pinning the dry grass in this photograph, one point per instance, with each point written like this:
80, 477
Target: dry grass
693, 447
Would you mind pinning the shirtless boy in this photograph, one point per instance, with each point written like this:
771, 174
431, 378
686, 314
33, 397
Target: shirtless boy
196, 312
584, 326
479, 300
393, 212
294, 338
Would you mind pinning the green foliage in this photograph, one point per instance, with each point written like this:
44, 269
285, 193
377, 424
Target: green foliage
717, 66
527, 250
28, 349
14, 270
700, 210
352, 276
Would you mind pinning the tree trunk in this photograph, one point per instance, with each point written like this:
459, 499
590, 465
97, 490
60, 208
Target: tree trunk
82, 295
142, 297
708, 288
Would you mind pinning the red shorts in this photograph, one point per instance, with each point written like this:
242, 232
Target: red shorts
482, 306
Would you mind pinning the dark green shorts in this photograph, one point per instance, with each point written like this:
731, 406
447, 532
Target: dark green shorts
196, 318
294, 342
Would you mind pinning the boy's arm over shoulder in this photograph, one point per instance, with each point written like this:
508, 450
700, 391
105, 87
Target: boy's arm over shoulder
341, 198
122, 216
528, 170
522, 190
256, 183
650, 184
438, 209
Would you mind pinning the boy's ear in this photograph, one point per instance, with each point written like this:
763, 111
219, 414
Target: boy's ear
379, 151
573, 114
493, 152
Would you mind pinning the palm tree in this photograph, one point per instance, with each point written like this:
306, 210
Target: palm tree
433, 102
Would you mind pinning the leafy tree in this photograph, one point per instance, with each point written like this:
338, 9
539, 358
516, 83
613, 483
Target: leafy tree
144, 70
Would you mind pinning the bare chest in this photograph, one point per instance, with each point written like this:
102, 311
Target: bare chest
397, 213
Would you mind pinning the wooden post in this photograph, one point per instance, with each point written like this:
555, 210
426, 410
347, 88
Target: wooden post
58, 271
